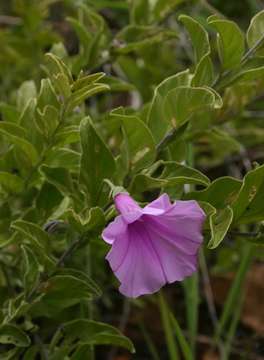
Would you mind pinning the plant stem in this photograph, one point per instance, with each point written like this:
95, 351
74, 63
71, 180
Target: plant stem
229, 75
232, 329
252, 50
151, 346
235, 291
90, 304
208, 290
165, 317
185, 348
58, 264
209, 297
192, 302
191, 284
171, 136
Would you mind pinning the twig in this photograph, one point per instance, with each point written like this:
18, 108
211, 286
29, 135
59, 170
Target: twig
228, 74
58, 264
209, 297
252, 50
10, 20
171, 136
208, 290
67, 252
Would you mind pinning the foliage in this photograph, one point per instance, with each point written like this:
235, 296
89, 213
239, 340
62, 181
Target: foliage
134, 104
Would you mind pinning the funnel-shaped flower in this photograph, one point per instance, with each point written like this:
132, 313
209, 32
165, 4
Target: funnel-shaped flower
154, 245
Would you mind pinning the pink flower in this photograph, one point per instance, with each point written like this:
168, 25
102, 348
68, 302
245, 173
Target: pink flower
154, 245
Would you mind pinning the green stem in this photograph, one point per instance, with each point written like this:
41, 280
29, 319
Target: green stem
185, 348
150, 344
90, 304
232, 330
229, 76
191, 284
235, 291
192, 302
165, 317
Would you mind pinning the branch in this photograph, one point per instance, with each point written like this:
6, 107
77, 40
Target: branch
68, 252
58, 264
252, 50
243, 62
171, 136
10, 20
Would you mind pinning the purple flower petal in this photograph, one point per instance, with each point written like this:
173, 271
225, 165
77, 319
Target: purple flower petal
116, 227
127, 207
135, 263
158, 206
155, 245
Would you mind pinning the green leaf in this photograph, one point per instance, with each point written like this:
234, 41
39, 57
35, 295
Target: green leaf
163, 8
31, 268
249, 206
63, 158
135, 37
86, 80
31, 353
47, 95
96, 26
16, 135
256, 31
11, 129
62, 291
59, 177
47, 120
156, 118
11, 334
231, 43
9, 113
220, 193
32, 232
82, 351
181, 103
10, 182
140, 145
204, 72
220, 222
47, 204
93, 333
250, 74
56, 66
173, 174
97, 162
59, 74
219, 144
199, 37
86, 41
94, 219
139, 12
82, 276
80, 95
69, 134
25, 93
